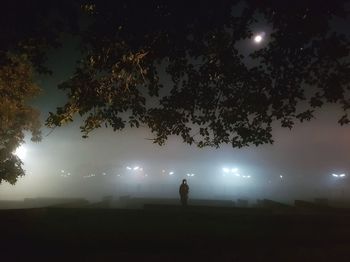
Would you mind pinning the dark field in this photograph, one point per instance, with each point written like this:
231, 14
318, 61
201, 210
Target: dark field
164, 233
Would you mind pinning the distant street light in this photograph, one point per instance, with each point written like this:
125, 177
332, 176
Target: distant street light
135, 168
339, 175
226, 170
231, 171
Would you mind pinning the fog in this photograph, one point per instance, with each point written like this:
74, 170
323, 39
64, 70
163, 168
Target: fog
299, 165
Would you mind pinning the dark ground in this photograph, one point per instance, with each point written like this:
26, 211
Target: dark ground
168, 233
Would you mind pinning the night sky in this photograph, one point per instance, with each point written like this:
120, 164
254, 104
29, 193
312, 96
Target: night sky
299, 164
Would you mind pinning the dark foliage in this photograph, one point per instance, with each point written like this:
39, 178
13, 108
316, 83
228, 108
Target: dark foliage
211, 94
28, 29
178, 68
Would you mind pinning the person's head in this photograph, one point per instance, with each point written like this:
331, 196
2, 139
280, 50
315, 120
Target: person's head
184, 181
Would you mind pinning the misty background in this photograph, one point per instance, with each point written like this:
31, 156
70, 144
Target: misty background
299, 165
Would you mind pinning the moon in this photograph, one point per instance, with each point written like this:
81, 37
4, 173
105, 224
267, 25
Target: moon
258, 38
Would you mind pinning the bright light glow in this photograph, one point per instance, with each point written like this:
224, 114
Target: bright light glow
258, 39
88, 176
192, 174
62, 171
171, 173
188, 174
281, 176
21, 152
136, 167
230, 170
340, 175
128, 168
237, 174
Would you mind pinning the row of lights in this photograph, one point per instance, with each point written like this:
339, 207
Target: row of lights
135, 168
233, 171
65, 174
338, 175
225, 170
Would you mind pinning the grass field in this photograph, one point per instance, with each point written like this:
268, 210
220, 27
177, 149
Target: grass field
173, 234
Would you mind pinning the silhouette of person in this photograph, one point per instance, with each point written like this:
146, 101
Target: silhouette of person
183, 191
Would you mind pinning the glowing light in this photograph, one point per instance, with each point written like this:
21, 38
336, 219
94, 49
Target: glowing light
237, 174
104, 174
62, 171
281, 176
171, 173
128, 168
21, 152
258, 39
136, 167
230, 170
88, 176
339, 175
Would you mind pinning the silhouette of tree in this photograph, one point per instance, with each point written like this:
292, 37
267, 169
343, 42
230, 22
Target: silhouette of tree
16, 116
28, 29
212, 93
176, 67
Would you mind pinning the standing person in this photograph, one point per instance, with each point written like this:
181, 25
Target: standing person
183, 191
